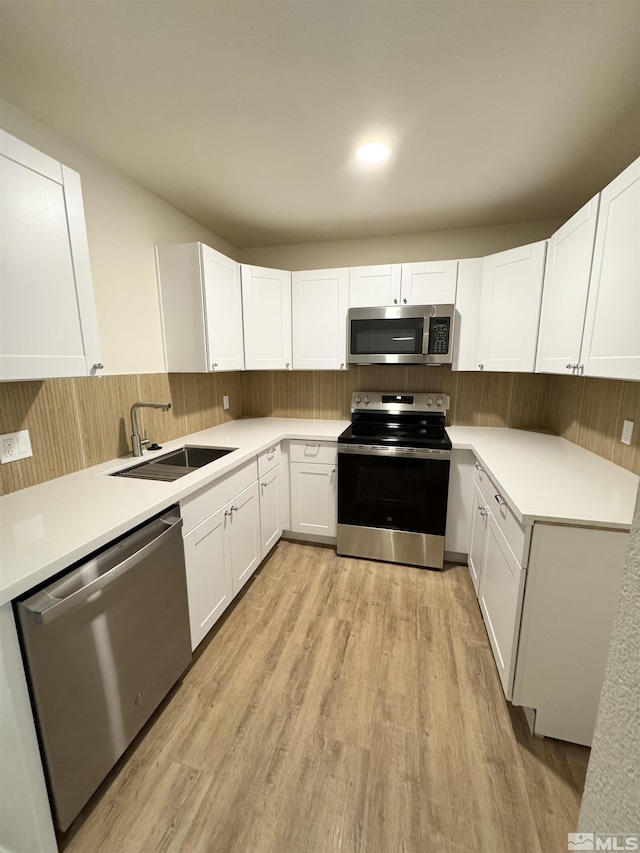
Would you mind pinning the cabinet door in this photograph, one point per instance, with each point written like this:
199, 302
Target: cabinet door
223, 310
242, 522
432, 283
476, 543
270, 514
611, 344
319, 303
313, 498
370, 287
266, 308
459, 502
500, 594
465, 335
48, 325
510, 309
564, 294
209, 586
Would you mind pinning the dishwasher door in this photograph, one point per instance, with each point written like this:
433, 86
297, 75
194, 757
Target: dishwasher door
104, 644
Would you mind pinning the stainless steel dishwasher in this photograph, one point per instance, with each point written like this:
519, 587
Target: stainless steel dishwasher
104, 644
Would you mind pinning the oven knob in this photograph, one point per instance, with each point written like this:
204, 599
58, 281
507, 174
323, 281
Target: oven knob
429, 401
367, 400
439, 401
358, 399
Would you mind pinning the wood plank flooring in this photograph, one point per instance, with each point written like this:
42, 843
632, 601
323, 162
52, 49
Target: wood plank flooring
341, 705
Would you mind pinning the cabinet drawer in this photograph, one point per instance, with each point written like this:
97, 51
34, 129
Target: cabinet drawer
268, 459
208, 500
322, 452
514, 533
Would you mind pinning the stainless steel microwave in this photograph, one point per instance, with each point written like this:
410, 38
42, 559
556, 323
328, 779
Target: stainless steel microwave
411, 334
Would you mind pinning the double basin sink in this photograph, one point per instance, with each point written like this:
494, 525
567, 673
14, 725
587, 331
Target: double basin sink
176, 464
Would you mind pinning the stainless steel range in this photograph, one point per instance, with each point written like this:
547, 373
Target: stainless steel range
393, 478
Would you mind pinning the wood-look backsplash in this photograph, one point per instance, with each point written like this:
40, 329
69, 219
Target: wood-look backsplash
76, 423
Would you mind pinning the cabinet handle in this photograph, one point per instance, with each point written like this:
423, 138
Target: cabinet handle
501, 500
227, 512
479, 467
342, 365
483, 510
234, 509
395, 301
405, 301
214, 365
309, 444
98, 366
333, 470
287, 365
481, 366
581, 369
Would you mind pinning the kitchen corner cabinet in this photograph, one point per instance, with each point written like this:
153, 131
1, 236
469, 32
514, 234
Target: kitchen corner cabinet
611, 342
510, 309
314, 494
48, 325
266, 310
320, 300
429, 283
564, 295
201, 303
465, 333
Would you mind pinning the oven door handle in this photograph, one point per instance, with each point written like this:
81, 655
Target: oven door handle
423, 454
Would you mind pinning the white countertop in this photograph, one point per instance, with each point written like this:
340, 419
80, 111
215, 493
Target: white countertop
547, 478
45, 528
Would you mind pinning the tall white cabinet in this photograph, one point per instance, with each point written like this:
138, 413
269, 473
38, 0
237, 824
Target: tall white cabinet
320, 300
201, 309
564, 297
48, 325
266, 309
510, 309
611, 344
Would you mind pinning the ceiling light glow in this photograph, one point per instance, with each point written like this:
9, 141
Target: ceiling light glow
373, 152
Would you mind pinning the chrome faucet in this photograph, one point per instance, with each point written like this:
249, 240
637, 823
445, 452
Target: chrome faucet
138, 443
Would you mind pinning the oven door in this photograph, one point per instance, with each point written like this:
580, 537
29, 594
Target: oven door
392, 506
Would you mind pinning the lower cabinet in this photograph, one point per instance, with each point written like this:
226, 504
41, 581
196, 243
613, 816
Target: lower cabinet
314, 498
478, 532
270, 510
242, 517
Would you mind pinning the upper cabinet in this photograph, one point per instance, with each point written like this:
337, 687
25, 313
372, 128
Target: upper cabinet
564, 296
266, 308
201, 309
320, 300
48, 325
465, 336
611, 343
375, 286
510, 309
430, 283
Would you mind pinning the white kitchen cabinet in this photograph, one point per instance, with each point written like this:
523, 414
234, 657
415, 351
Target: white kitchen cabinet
564, 294
478, 534
314, 498
266, 309
611, 341
429, 283
510, 309
270, 510
243, 528
201, 302
465, 334
320, 300
374, 286
209, 583
459, 504
500, 593
48, 325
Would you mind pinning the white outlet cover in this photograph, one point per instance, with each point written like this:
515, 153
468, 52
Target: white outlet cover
225, 402
14, 446
627, 432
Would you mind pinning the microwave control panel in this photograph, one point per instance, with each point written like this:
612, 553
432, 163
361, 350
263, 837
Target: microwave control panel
439, 335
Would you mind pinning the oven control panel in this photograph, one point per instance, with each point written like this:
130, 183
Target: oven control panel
382, 401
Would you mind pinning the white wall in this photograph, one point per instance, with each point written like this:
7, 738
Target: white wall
426, 246
124, 224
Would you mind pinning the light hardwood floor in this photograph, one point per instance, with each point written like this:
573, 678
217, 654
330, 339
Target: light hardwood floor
342, 705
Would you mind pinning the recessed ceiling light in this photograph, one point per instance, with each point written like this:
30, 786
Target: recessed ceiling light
373, 152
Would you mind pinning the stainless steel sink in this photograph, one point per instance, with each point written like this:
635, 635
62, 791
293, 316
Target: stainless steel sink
178, 463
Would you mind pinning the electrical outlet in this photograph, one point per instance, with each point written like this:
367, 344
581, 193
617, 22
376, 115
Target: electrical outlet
15, 445
627, 432
225, 401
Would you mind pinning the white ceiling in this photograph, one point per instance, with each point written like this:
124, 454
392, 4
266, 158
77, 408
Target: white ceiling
245, 114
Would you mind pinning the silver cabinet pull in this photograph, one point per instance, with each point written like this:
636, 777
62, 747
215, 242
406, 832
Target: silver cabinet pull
581, 369
483, 510
500, 500
405, 301
287, 365
98, 366
214, 365
342, 365
333, 470
479, 467
395, 301
481, 366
